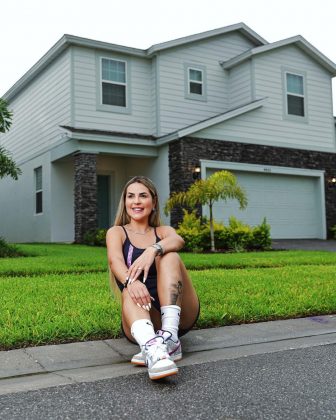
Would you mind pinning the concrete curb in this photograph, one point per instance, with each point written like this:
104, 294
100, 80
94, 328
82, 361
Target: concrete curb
45, 366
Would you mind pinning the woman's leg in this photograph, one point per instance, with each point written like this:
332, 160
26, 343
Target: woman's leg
130, 313
175, 288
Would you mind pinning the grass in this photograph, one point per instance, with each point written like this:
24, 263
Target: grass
62, 293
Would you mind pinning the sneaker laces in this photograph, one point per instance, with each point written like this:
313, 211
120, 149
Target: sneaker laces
155, 349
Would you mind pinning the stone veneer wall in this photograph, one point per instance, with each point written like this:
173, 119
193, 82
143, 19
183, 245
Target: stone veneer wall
185, 153
85, 168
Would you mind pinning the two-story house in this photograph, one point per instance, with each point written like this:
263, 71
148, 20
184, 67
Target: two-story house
89, 115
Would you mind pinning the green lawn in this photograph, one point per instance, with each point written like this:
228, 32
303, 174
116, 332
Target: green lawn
62, 293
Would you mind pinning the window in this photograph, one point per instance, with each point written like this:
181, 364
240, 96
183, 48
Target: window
38, 190
195, 82
295, 95
113, 77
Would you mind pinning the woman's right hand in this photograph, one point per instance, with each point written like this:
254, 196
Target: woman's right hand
140, 295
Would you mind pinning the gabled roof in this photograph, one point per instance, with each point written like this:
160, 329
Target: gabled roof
71, 40
240, 27
298, 41
217, 119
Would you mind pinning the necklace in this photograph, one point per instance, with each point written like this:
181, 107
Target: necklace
139, 233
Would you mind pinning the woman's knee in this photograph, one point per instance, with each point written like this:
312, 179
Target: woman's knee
171, 259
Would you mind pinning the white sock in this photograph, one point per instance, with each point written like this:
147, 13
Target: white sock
170, 319
142, 330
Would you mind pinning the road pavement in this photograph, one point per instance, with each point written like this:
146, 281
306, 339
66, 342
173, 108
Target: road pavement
279, 369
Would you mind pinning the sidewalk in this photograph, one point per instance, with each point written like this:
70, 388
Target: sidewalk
41, 367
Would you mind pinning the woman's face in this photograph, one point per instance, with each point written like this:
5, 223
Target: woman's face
138, 201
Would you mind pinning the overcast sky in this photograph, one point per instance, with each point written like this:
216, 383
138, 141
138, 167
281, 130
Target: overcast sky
29, 28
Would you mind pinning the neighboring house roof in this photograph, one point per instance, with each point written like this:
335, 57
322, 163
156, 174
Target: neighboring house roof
298, 41
71, 40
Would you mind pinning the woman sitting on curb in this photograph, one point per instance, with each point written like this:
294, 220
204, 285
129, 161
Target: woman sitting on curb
159, 302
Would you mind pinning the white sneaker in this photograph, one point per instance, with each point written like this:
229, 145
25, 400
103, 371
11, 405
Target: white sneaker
158, 362
173, 347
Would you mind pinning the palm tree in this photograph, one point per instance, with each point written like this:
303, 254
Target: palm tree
7, 165
5, 116
221, 185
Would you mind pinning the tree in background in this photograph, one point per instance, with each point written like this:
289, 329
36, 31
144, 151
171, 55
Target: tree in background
7, 165
221, 185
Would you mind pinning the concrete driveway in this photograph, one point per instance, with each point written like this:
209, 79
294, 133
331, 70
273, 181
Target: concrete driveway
305, 244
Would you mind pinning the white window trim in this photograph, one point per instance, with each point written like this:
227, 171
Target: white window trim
188, 94
112, 108
286, 115
38, 190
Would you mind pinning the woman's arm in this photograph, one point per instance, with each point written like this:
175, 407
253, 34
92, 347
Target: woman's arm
114, 242
138, 291
170, 242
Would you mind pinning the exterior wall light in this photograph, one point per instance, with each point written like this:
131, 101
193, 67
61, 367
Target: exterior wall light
332, 182
196, 172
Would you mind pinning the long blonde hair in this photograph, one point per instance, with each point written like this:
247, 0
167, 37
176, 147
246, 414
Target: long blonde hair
122, 218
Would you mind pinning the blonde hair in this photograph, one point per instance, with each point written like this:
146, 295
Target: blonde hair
122, 218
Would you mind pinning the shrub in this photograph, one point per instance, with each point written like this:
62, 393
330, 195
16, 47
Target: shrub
261, 236
239, 235
236, 237
96, 237
333, 231
192, 231
8, 251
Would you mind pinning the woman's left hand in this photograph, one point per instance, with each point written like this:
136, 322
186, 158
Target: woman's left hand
142, 265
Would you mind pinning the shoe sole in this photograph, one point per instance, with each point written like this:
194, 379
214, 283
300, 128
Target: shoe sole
160, 375
142, 363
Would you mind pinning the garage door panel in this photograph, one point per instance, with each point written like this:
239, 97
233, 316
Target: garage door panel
291, 204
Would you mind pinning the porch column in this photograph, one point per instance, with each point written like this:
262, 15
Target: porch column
85, 194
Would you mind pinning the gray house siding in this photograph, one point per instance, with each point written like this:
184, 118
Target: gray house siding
269, 125
177, 111
240, 85
137, 118
39, 110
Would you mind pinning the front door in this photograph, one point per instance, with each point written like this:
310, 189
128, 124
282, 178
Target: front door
103, 186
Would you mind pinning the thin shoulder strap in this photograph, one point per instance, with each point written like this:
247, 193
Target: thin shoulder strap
125, 232
156, 235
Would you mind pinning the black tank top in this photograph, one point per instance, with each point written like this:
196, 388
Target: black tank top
131, 253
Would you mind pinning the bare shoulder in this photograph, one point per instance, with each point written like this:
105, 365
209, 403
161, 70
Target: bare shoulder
164, 231
115, 232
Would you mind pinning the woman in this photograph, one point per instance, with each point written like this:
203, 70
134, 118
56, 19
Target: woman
157, 293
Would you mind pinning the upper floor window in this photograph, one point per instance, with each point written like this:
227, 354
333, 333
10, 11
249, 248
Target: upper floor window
295, 94
195, 79
38, 190
114, 84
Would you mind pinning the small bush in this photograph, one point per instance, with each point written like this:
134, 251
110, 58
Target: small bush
261, 236
9, 251
239, 235
192, 231
236, 237
333, 231
96, 237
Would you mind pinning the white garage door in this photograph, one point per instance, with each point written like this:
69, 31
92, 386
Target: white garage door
291, 204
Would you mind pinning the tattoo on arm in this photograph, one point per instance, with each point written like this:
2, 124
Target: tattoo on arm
176, 292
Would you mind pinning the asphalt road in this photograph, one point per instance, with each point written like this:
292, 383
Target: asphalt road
291, 384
